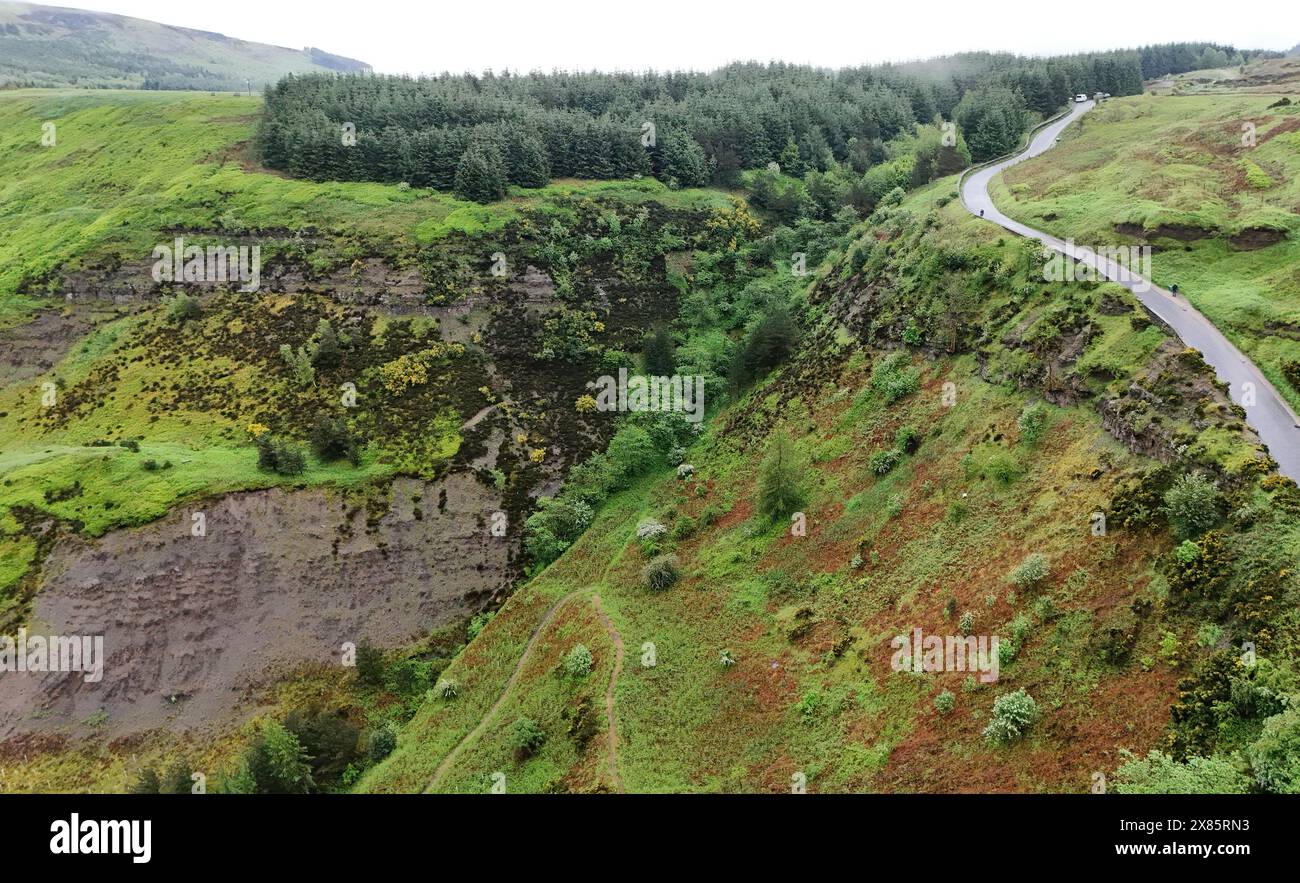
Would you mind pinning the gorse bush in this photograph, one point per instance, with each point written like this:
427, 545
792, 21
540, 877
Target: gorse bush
1013, 715
882, 462
894, 377
526, 738
1033, 422
1031, 571
661, 572
1192, 505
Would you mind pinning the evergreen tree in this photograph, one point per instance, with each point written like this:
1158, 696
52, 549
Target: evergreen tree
781, 478
659, 353
481, 173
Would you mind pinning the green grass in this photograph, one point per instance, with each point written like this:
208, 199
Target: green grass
1155, 161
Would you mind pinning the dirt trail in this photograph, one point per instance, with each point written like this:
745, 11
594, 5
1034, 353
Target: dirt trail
505, 691
612, 734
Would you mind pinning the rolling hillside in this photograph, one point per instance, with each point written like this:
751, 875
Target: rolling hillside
918, 432
54, 46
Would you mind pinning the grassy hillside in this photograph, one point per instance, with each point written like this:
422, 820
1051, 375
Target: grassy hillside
54, 46
771, 655
951, 417
132, 170
1223, 216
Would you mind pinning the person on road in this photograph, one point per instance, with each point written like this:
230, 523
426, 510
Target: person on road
1173, 289
981, 213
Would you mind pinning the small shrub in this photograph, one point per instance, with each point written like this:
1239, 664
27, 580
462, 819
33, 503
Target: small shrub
882, 462
381, 743
907, 439
447, 689
300, 366
966, 624
945, 702
1003, 468
578, 662
661, 572
1187, 552
1192, 505
477, 623
683, 528
182, 308
650, 529
893, 378
894, 506
526, 738
1031, 571
331, 440
1013, 715
1033, 422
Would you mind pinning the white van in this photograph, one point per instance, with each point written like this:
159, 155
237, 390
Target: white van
1080, 98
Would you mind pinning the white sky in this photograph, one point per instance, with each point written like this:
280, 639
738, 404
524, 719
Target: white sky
429, 36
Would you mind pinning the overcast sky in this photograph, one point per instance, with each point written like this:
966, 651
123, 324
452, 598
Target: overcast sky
429, 36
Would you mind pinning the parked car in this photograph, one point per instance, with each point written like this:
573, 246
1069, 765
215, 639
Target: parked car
1081, 98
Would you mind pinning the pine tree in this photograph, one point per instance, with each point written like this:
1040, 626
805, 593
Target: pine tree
659, 353
481, 173
781, 478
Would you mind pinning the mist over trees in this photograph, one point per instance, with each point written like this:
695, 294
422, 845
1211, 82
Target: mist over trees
478, 134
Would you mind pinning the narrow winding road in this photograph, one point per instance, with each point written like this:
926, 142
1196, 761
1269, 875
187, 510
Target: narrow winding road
1269, 415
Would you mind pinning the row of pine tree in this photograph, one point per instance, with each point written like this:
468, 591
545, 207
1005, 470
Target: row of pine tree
477, 135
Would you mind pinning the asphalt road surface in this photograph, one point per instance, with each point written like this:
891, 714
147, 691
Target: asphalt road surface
1266, 411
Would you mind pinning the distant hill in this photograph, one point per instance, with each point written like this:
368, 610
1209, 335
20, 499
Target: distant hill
52, 46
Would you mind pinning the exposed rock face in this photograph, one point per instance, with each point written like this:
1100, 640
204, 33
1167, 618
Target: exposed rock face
281, 578
1253, 238
35, 346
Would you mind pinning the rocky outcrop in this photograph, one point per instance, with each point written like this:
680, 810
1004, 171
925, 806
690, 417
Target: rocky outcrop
193, 624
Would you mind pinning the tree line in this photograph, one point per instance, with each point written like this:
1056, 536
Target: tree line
479, 134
